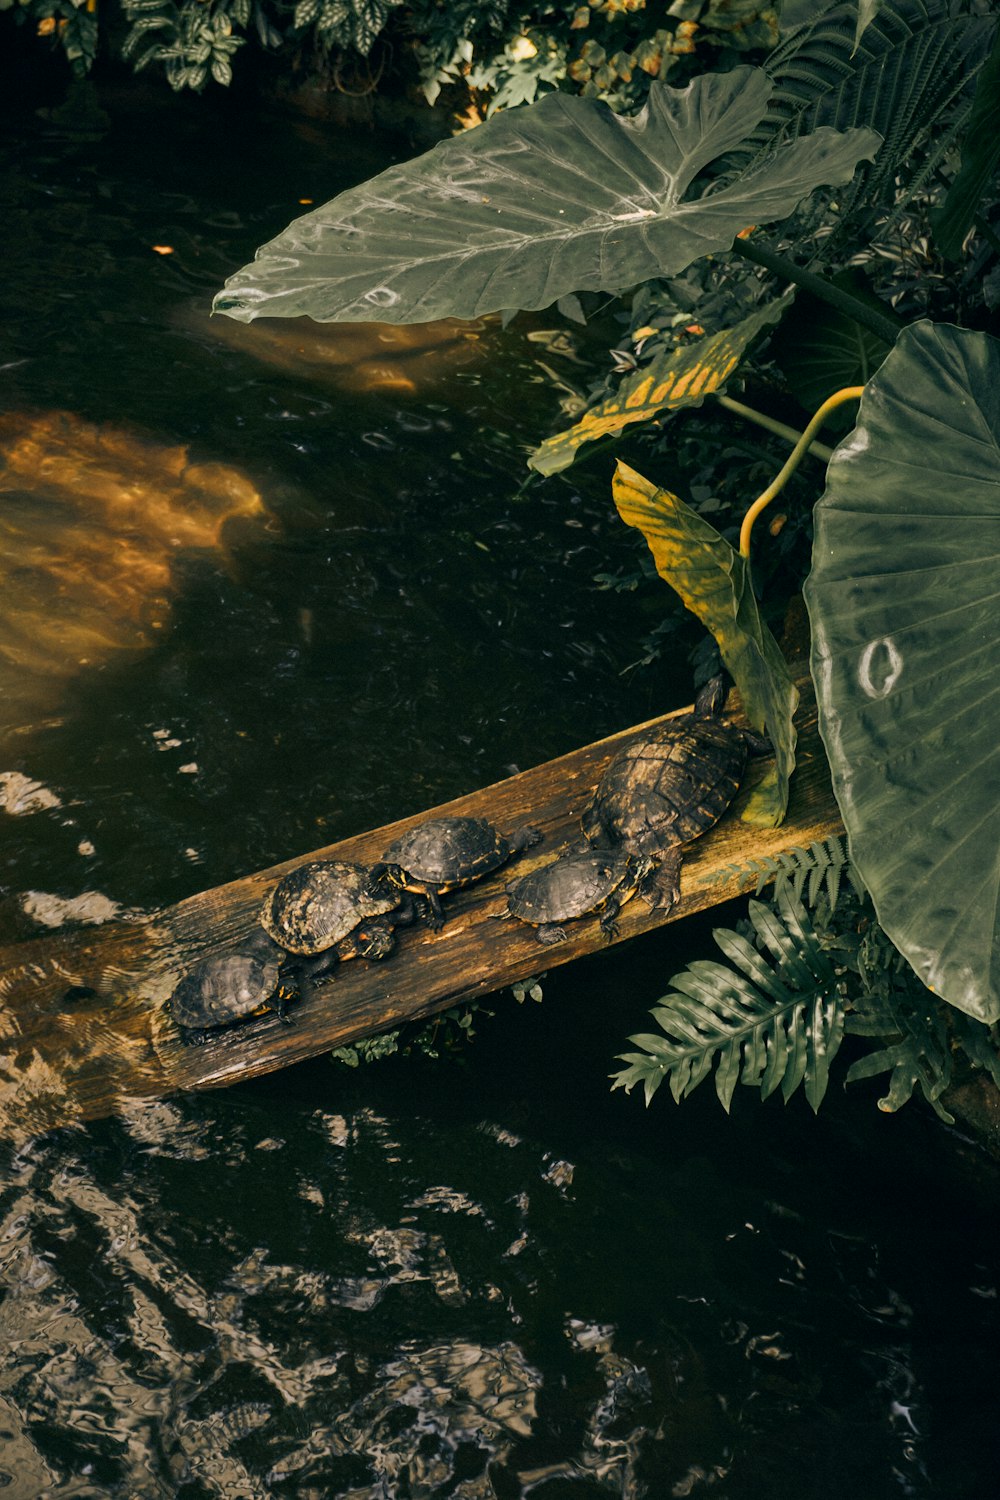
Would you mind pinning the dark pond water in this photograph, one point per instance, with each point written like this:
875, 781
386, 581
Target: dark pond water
255, 599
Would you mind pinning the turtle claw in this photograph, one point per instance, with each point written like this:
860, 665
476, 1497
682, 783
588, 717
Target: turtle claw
550, 933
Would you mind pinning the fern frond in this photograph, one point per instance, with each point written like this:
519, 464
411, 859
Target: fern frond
767, 1024
977, 1042
807, 873
907, 72
918, 1052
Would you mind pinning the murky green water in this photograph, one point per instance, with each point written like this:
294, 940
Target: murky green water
413, 1281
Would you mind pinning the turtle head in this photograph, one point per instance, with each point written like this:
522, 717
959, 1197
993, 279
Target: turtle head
711, 700
375, 940
639, 866
382, 877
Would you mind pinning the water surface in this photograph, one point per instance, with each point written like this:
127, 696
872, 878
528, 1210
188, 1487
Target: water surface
418, 1279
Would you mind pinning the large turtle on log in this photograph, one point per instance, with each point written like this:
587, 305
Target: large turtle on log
329, 910
669, 786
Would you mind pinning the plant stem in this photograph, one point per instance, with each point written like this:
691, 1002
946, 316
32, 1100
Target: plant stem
849, 393
881, 324
771, 424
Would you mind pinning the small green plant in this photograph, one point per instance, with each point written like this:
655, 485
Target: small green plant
795, 985
445, 1035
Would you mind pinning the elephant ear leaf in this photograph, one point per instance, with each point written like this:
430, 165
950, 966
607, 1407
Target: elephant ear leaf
902, 600
559, 197
714, 582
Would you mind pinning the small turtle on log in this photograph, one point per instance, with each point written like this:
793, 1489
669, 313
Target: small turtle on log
578, 884
444, 853
329, 911
670, 786
228, 988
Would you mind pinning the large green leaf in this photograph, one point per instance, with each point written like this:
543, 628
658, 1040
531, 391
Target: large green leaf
821, 349
906, 640
714, 582
980, 156
561, 196
673, 378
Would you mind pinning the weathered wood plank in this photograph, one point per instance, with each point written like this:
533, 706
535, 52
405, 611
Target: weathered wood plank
61, 1062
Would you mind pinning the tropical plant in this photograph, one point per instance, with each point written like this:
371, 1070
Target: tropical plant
498, 53
567, 197
795, 985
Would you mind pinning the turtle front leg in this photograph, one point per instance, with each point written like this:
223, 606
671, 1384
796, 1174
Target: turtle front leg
662, 889
549, 933
294, 983
609, 917
435, 915
525, 838
195, 1036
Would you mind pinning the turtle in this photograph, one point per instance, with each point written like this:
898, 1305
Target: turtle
579, 883
230, 987
328, 910
445, 853
669, 786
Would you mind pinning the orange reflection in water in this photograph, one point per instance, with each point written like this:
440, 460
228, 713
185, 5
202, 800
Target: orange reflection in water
91, 521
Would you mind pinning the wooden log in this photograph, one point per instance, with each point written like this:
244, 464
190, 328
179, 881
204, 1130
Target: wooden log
63, 1061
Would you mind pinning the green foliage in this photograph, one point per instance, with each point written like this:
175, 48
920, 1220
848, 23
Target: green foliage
905, 78
980, 157
673, 375
771, 1025
445, 1035
780, 1023
193, 42
906, 636
806, 873
562, 197
71, 24
824, 349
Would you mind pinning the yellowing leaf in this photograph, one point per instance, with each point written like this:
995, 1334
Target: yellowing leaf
714, 582
675, 378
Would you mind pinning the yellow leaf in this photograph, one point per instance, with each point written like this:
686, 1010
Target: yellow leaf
714, 582
676, 377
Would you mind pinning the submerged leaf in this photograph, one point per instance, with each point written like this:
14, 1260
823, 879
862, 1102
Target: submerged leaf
906, 636
714, 582
674, 378
562, 196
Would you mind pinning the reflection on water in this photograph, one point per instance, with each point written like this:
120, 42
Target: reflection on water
92, 520
404, 358
254, 1296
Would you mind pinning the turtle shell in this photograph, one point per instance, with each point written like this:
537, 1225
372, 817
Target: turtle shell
668, 786
574, 885
228, 987
444, 853
313, 907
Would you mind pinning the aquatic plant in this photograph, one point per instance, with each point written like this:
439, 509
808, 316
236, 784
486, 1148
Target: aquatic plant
795, 986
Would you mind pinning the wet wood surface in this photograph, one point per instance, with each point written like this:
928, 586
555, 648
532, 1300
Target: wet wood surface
63, 1061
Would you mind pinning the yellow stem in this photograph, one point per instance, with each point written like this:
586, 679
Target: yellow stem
849, 393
